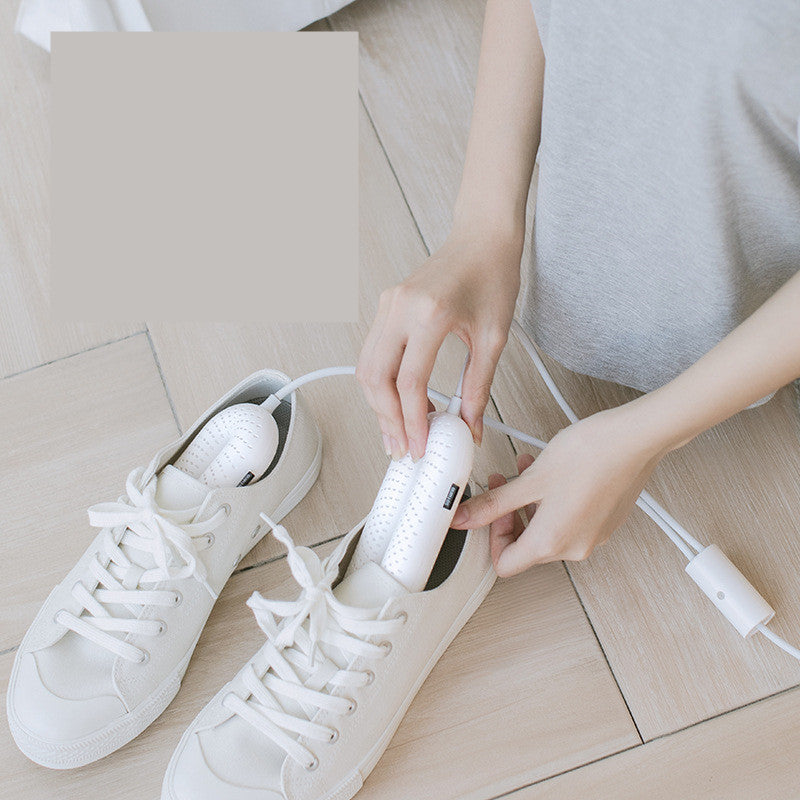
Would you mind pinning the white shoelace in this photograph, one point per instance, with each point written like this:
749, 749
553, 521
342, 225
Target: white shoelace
291, 650
167, 536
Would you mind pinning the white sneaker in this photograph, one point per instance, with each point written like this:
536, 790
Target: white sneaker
107, 652
289, 728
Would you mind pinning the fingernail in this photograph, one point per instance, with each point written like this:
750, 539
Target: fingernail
395, 448
417, 449
460, 517
495, 480
387, 444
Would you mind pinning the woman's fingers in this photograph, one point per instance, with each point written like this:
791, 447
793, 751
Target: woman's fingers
523, 462
537, 544
483, 359
395, 365
376, 372
504, 530
412, 385
485, 508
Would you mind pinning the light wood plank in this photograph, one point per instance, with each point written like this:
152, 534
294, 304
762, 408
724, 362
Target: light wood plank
71, 432
201, 361
30, 337
676, 658
522, 693
523, 679
749, 754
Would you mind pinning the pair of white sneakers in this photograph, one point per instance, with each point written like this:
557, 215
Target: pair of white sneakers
309, 715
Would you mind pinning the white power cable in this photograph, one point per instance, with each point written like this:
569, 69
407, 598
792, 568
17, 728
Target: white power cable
782, 643
676, 532
317, 374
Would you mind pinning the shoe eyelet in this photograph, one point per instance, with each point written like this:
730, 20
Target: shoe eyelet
369, 677
255, 533
386, 647
351, 708
162, 627
145, 657
210, 539
402, 617
226, 508
334, 736
312, 765
178, 599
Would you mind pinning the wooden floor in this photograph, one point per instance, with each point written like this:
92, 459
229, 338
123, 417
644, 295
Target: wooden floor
611, 678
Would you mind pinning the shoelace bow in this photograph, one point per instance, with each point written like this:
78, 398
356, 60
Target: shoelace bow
138, 522
292, 646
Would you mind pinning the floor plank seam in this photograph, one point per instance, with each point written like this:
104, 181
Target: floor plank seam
163, 379
603, 651
394, 173
646, 742
9, 650
586, 613
272, 560
758, 700
511, 792
73, 355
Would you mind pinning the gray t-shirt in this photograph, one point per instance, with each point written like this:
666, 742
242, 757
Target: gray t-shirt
668, 205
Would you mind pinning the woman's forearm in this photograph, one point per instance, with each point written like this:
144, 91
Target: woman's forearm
756, 358
506, 122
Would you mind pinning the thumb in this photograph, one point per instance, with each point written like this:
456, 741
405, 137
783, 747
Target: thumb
532, 546
485, 508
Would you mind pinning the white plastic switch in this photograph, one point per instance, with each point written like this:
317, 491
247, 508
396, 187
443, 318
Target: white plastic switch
729, 590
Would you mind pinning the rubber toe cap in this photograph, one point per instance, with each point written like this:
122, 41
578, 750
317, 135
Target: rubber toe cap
190, 778
55, 719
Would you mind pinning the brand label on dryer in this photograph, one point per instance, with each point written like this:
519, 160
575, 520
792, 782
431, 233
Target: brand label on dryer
247, 478
451, 497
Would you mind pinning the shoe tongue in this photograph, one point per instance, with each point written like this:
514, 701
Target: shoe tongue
176, 491
368, 587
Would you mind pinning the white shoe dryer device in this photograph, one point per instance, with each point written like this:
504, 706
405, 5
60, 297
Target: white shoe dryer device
235, 447
416, 502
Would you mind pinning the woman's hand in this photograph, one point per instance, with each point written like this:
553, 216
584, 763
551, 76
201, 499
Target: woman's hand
468, 288
575, 494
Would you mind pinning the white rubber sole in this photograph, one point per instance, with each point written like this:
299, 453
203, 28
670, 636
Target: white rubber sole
80, 752
351, 785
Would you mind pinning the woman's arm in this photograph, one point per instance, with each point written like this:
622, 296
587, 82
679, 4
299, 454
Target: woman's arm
506, 124
469, 286
758, 357
586, 481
